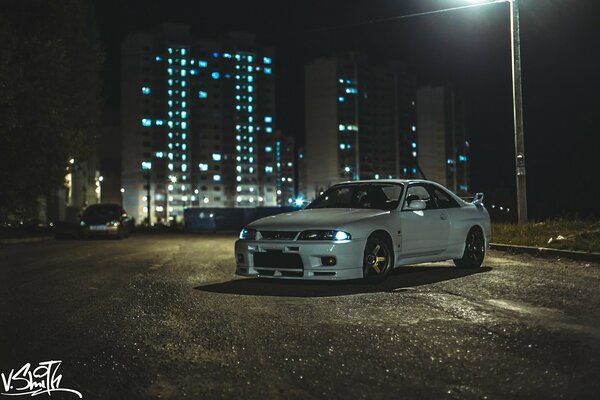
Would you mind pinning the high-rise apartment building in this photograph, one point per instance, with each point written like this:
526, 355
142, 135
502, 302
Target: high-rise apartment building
360, 121
276, 157
198, 118
442, 139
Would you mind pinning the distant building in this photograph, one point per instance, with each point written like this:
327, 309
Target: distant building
442, 140
108, 152
82, 188
197, 116
360, 122
276, 176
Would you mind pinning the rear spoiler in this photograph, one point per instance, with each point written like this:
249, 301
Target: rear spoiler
477, 199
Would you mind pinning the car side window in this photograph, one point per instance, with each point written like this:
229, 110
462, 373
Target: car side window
419, 192
442, 198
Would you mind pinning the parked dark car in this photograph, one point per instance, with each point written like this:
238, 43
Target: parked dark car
104, 219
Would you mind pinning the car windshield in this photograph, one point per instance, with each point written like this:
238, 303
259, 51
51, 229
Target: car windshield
380, 196
102, 210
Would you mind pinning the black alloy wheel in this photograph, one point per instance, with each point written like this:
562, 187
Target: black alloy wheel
474, 250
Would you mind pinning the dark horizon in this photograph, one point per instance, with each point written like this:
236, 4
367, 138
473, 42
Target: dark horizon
469, 48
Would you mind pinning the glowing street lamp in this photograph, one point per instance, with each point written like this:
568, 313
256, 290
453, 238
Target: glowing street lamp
515, 50
515, 43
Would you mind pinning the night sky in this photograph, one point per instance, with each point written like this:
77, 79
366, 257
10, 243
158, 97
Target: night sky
471, 48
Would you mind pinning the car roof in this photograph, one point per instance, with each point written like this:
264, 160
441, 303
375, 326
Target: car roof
401, 181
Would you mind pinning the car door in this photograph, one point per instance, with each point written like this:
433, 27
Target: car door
451, 208
424, 232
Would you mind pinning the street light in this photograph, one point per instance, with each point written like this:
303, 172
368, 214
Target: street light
515, 50
146, 168
515, 44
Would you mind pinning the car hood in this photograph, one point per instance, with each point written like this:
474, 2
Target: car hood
330, 218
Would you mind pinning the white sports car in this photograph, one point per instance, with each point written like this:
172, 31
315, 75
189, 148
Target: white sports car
363, 229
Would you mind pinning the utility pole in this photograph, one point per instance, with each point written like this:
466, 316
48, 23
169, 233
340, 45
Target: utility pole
518, 113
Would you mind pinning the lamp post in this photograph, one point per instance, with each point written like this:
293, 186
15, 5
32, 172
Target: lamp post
515, 47
146, 168
518, 113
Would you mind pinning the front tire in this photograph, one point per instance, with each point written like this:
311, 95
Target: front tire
377, 259
474, 250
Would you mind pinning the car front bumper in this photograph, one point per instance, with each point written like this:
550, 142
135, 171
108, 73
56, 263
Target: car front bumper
348, 259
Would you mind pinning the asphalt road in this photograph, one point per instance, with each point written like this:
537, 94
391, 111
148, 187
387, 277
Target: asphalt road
163, 316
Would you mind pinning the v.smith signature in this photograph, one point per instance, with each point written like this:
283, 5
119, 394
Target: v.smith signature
28, 382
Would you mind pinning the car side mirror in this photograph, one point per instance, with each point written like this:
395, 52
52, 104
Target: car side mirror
415, 205
478, 199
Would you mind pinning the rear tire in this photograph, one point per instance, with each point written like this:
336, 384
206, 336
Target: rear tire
378, 259
474, 250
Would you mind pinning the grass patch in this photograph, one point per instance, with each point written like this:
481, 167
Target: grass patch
564, 234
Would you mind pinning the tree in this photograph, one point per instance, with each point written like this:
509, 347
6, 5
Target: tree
49, 98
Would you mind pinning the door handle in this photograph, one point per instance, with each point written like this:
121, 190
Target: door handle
443, 216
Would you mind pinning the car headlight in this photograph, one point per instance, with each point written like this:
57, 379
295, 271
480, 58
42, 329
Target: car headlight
336, 236
249, 234
113, 223
82, 223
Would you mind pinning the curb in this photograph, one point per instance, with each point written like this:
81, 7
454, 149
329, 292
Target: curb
547, 252
26, 240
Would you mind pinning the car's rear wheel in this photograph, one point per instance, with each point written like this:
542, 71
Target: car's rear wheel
377, 259
474, 250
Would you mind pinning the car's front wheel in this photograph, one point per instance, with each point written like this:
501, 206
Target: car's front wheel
474, 250
377, 259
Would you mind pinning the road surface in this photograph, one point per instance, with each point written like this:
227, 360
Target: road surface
163, 316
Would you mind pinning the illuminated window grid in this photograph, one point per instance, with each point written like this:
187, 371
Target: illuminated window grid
177, 123
246, 154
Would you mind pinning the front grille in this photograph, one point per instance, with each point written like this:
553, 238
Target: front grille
277, 259
278, 235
